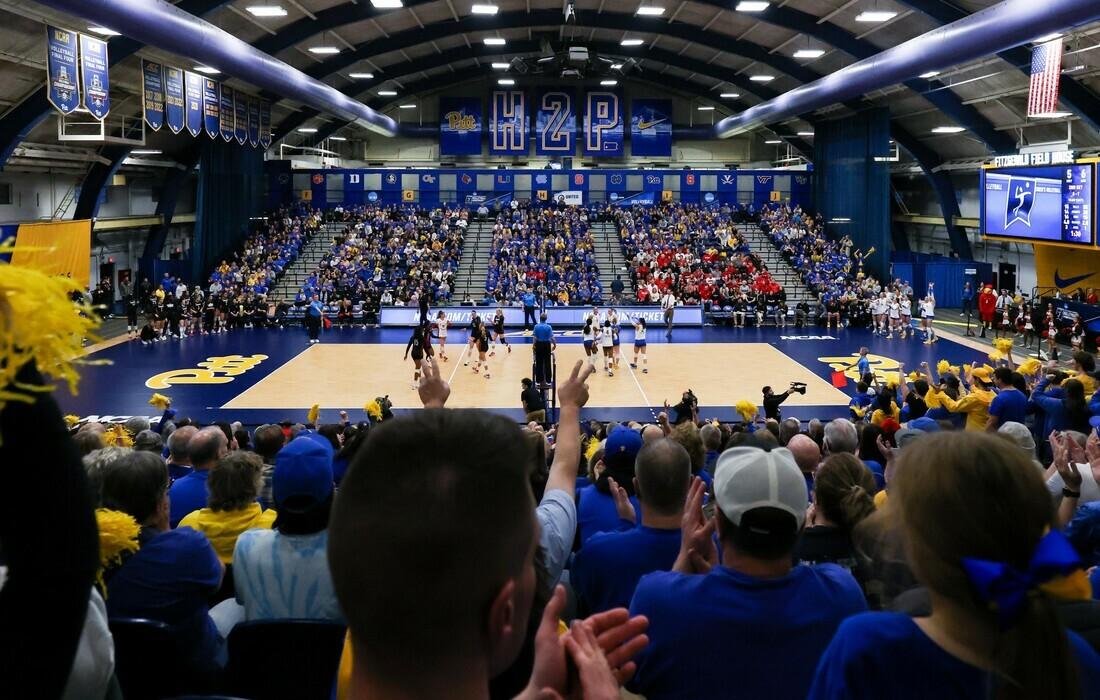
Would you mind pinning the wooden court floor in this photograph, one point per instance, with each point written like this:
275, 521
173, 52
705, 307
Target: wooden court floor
349, 375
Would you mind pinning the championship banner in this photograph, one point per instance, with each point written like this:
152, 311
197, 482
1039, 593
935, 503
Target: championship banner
192, 85
509, 123
265, 123
225, 112
152, 90
173, 99
556, 123
460, 126
240, 116
253, 121
62, 88
211, 107
651, 127
93, 76
603, 123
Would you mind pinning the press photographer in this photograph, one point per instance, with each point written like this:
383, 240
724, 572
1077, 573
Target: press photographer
772, 399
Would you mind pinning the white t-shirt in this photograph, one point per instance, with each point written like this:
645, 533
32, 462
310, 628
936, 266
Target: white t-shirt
668, 301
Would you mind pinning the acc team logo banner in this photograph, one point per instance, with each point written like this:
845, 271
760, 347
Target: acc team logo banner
152, 90
265, 123
93, 75
460, 126
556, 123
253, 121
173, 98
603, 123
509, 123
240, 116
651, 128
225, 112
192, 86
211, 107
63, 90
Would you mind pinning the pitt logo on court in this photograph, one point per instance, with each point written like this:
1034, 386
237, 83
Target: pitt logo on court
215, 370
460, 121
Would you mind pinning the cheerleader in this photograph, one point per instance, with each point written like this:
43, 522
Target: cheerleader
441, 334
417, 344
1026, 326
607, 344
1076, 335
481, 338
498, 332
588, 337
1005, 325
639, 346
1051, 333
906, 316
616, 352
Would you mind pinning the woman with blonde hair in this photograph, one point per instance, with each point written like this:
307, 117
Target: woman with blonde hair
976, 522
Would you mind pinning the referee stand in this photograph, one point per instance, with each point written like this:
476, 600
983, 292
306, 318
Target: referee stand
548, 391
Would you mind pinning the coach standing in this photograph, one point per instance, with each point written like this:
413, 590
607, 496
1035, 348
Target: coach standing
668, 305
313, 318
544, 346
530, 301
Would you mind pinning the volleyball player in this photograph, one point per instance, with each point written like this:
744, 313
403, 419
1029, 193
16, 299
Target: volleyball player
607, 344
928, 314
498, 332
878, 312
639, 345
481, 338
416, 345
475, 323
895, 317
616, 352
588, 337
441, 333
906, 316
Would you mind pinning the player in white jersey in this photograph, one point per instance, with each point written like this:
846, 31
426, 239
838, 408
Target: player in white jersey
639, 345
906, 316
607, 344
588, 336
895, 318
927, 314
878, 310
441, 333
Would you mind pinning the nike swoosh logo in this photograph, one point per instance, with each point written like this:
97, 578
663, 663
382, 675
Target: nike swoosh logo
1063, 283
642, 126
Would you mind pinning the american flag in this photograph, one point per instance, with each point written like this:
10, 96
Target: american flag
1046, 71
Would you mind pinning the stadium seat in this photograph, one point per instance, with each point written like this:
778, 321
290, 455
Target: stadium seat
147, 661
284, 659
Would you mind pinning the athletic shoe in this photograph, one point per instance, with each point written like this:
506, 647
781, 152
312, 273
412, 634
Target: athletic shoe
415, 385
509, 349
645, 371
493, 353
633, 366
486, 375
610, 373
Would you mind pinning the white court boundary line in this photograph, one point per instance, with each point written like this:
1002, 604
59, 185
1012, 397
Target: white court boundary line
454, 371
648, 403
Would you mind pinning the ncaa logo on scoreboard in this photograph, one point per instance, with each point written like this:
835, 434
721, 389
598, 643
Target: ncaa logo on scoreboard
653, 179
391, 179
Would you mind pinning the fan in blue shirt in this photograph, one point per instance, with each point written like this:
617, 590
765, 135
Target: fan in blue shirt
1010, 404
756, 626
994, 629
596, 510
189, 493
609, 564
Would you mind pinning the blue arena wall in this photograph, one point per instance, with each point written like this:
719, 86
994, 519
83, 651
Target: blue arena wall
472, 186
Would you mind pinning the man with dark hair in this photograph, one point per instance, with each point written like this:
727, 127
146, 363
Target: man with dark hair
772, 401
608, 565
756, 610
543, 349
268, 439
534, 407
173, 573
1009, 405
1084, 366
179, 456
188, 494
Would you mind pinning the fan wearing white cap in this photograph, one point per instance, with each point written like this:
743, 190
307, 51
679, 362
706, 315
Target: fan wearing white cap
756, 616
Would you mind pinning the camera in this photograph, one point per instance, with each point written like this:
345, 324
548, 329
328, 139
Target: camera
798, 387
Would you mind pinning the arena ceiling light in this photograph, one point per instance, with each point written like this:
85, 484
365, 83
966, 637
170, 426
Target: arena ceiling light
495, 41
266, 11
929, 75
616, 66
208, 70
876, 16
809, 53
1048, 37
409, 106
387, 93
484, 9
307, 130
948, 130
631, 42
761, 78
103, 31
651, 11
324, 50
386, 4
730, 95
705, 108
145, 152
361, 76
506, 81
609, 83
500, 66
752, 6
774, 142
805, 133
336, 138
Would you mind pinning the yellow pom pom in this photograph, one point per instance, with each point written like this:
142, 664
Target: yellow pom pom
117, 436
314, 414
160, 401
914, 376
892, 383
1029, 367
746, 409
591, 448
932, 399
71, 420
943, 367
1003, 344
859, 412
118, 534
374, 410
995, 356
39, 321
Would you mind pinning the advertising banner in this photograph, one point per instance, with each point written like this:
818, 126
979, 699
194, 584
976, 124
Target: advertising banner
651, 128
460, 126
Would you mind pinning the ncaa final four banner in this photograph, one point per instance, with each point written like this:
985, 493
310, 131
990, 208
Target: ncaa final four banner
93, 76
63, 90
509, 123
603, 123
240, 116
265, 123
556, 123
651, 128
460, 126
